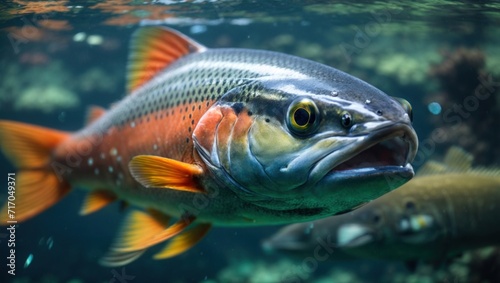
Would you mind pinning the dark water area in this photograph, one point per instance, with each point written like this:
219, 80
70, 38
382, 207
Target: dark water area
59, 58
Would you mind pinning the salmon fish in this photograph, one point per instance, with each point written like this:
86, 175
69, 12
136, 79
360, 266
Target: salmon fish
217, 137
447, 209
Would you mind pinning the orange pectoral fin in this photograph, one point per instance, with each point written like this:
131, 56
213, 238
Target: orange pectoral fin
159, 172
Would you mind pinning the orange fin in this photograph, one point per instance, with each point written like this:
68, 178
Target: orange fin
160, 172
136, 239
114, 258
152, 49
29, 148
94, 113
96, 200
139, 226
184, 241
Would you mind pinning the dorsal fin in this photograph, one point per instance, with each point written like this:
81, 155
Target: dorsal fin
94, 113
431, 167
457, 159
485, 171
154, 48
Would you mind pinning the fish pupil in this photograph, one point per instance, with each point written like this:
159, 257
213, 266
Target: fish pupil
346, 120
302, 117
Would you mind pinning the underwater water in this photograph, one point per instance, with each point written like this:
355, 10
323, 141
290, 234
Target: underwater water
60, 57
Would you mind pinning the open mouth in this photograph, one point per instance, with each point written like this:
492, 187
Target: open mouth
354, 235
391, 152
389, 147
385, 151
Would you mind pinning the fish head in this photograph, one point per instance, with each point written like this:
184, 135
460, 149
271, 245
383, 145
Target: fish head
294, 238
418, 222
369, 225
403, 223
285, 143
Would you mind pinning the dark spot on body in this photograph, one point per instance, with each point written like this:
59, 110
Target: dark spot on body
237, 107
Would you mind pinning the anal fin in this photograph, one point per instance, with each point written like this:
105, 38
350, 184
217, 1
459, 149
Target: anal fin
96, 200
114, 259
184, 241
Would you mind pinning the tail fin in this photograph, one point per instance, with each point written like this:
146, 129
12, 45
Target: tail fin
37, 187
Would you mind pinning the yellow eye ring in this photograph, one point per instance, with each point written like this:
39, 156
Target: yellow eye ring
303, 117
406, 106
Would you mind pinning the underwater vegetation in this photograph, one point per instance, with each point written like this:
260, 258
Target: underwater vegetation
55, 89
468, 96
61, 57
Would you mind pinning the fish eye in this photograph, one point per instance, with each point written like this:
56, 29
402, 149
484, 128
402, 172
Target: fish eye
346, 120
410, 205
406, 106
303, 117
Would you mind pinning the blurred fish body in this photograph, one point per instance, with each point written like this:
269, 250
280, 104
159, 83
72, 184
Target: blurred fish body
218, 136
445, 210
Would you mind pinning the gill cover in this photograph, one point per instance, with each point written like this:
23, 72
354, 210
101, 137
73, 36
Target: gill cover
269, 144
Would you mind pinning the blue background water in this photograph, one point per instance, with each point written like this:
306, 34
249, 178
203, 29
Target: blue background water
357, 38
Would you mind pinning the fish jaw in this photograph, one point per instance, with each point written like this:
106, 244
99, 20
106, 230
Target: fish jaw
354, 236
382, 157
294, 237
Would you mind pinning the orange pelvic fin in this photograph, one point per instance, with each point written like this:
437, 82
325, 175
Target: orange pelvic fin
154, 48
29, 148
142, 239
184, 241
142, 230
160, 172
94, 113
96, 200
137, 228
